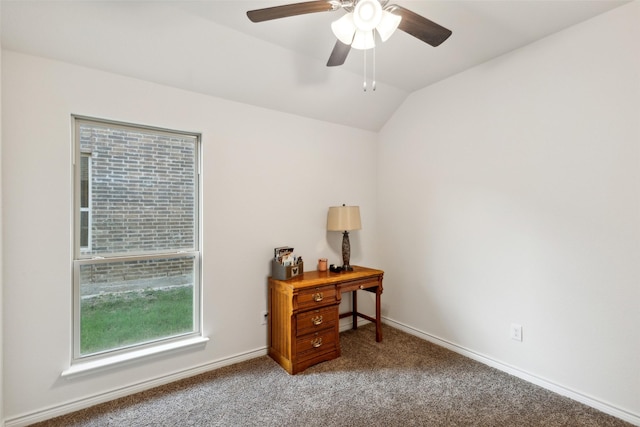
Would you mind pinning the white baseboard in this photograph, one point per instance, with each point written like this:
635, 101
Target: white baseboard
534, 379
76, 405
345, 324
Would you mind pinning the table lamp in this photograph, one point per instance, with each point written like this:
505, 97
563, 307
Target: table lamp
344, 218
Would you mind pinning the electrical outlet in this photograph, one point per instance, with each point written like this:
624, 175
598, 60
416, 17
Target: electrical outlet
516, 332
263, 317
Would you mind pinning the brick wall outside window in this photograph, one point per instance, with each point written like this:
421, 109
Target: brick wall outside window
142, 199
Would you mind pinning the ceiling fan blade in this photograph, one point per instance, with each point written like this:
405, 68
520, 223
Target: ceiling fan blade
420, 27
339, 54
293, 9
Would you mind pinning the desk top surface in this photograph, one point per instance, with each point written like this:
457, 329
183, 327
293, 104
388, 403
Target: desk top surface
316, 278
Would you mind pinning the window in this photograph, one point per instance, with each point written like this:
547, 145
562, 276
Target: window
137, 251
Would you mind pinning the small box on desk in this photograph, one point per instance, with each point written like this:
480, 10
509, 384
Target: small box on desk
282, 272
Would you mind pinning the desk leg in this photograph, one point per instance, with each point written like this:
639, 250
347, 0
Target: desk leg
378, 316
354, 308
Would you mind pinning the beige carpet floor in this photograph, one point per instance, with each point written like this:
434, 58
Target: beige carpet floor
403, 381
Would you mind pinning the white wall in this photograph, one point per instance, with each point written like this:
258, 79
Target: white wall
513, 191
1, 243
269, 179
510, 193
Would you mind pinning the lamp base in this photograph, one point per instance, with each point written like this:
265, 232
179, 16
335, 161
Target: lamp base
346, 252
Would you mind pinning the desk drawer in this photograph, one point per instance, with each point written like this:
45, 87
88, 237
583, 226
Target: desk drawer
317, 297
313, 345
315, 320
359, 284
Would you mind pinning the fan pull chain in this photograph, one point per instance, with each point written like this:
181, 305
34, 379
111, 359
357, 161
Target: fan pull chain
364, 79
373, 83
373, 80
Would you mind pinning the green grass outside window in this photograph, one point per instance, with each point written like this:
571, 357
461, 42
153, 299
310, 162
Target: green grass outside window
111, 321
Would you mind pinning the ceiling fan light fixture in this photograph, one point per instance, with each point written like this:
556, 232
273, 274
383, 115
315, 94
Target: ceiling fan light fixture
367, 14
344, 28
388, 24
363, 40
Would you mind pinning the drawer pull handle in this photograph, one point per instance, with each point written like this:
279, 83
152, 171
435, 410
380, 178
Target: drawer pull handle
317, 320
316, 342
361, 286
318, 297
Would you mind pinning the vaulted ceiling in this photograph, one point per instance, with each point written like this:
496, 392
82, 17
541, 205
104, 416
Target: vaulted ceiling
211, 47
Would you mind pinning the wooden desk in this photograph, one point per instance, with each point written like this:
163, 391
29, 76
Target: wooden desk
303, 326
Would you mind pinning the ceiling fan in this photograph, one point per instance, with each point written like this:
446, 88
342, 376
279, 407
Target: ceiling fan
358, 27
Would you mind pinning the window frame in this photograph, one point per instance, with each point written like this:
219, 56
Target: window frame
87, 155
83, 256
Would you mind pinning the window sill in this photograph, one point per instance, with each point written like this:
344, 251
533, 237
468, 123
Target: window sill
85, 368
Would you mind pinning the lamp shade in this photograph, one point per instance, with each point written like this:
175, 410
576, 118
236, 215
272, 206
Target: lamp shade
388, 25
363, 40
357, 28
344, 28
344, 218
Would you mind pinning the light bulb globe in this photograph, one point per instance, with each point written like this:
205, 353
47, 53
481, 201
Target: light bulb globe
367, 14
